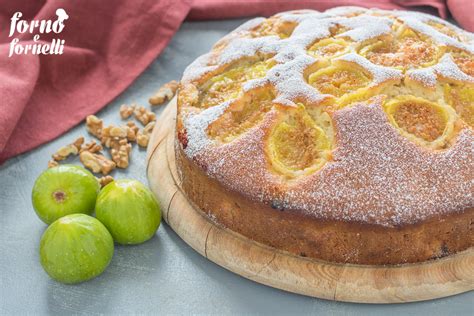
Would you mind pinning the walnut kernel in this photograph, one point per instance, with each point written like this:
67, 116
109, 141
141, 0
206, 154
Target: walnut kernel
71, 149
126, 111
132, 131
94, 125
52, 163
103, 181
143, 115
91, 146
165, 93
120, 153
96, 163
143, 137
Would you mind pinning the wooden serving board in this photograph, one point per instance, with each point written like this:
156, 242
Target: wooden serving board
266, 265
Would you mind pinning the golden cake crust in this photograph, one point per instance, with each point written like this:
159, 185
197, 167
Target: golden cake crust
316, 134
328, 240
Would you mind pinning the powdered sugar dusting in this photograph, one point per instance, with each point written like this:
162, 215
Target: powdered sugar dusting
438, 37
365, 27
385, 180
250, 24
376, 176
196, 126
380, 74
289, 82
446, 68
198, 68
244, 47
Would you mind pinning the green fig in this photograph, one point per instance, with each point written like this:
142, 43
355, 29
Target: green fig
76, 248
129, 211
64, 190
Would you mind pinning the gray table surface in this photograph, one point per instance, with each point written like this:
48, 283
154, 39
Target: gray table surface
163, 275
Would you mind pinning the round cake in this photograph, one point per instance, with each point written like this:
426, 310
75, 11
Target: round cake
344, 136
